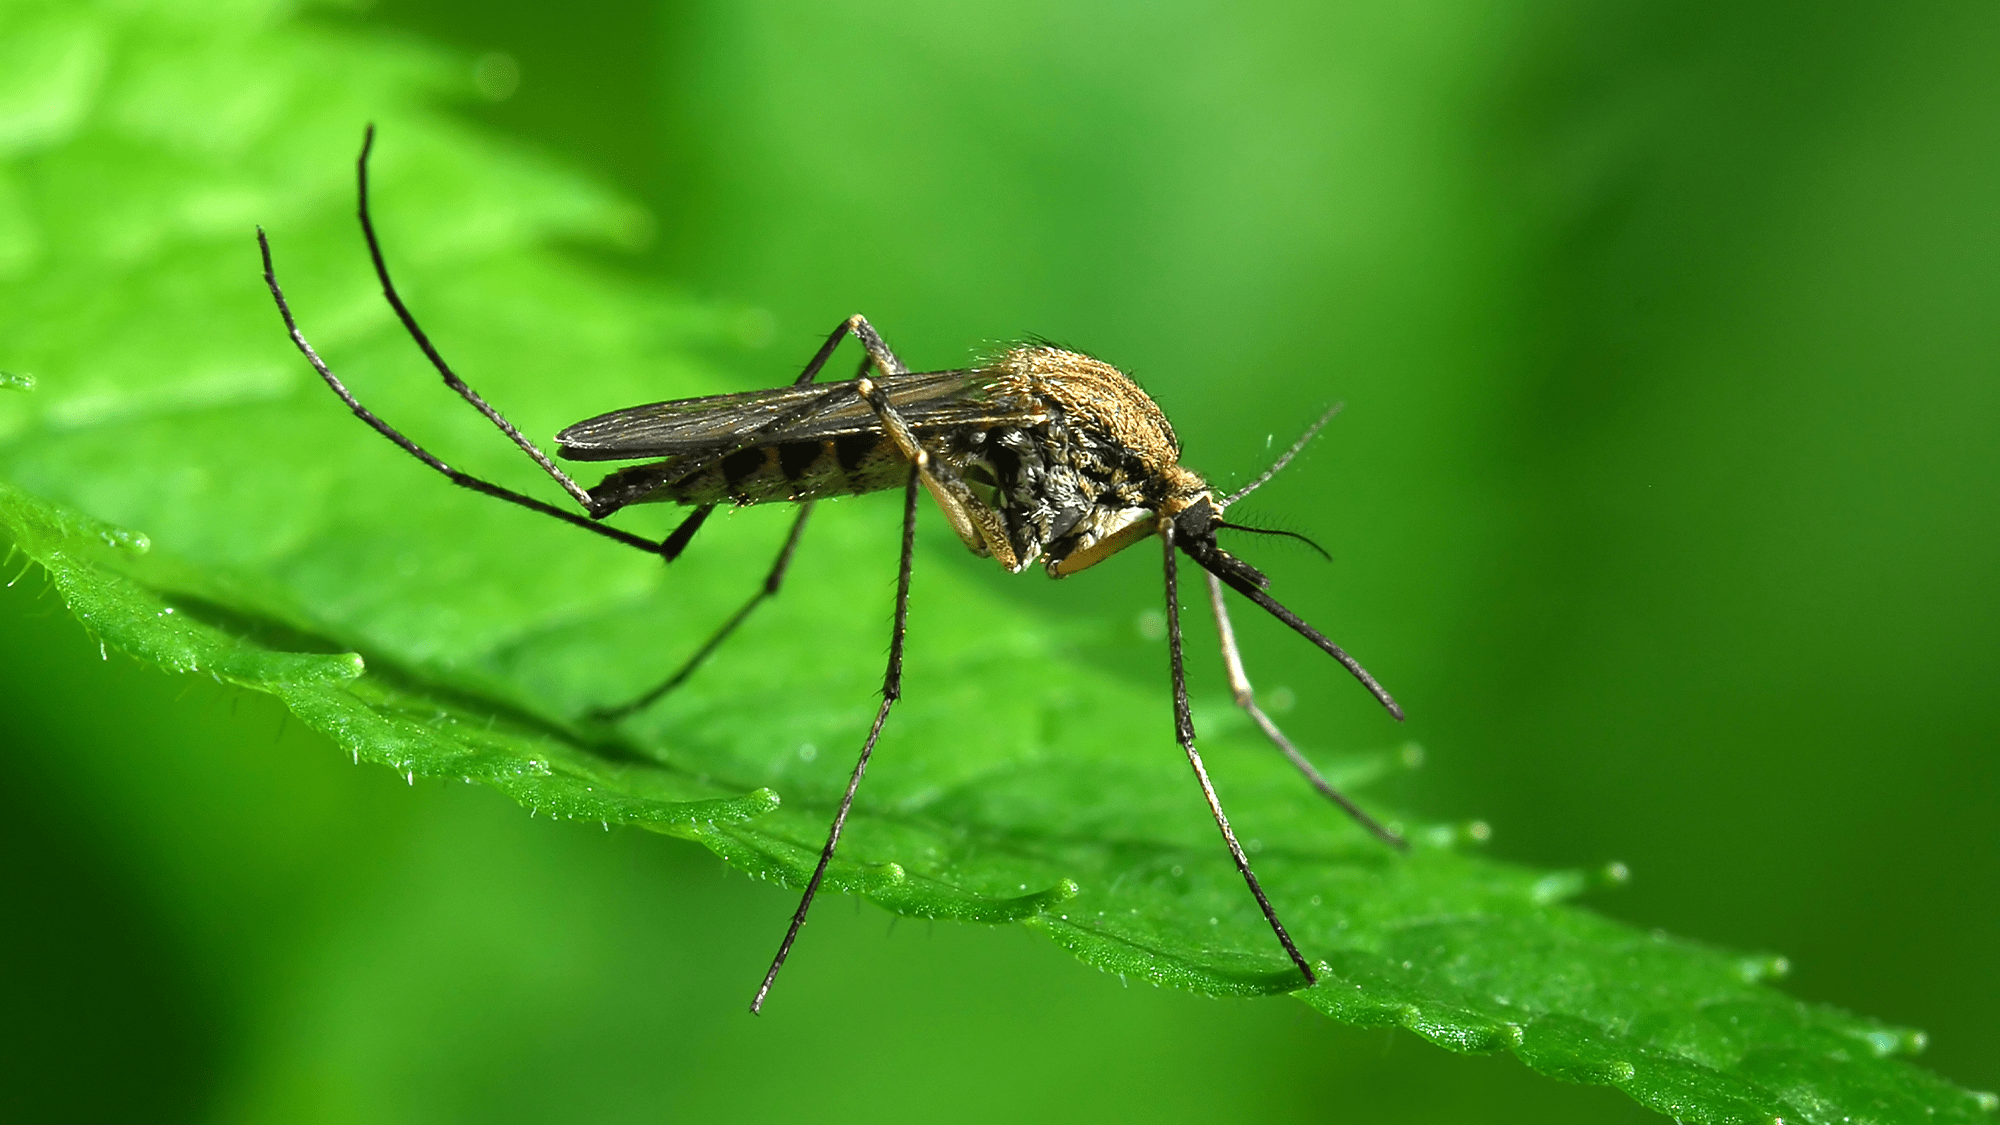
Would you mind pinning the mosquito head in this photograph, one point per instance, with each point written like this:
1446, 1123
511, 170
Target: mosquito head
1194, 532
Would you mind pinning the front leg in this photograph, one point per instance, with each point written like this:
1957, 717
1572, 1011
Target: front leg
978, 526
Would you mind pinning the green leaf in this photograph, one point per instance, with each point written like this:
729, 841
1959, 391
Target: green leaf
288, 550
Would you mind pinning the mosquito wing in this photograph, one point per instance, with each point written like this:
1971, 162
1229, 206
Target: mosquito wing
928, 400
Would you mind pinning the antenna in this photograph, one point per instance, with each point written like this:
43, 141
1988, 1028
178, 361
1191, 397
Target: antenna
1311, 432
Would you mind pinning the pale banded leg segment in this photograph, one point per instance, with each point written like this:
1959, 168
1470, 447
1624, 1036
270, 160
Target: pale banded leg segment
1239, 686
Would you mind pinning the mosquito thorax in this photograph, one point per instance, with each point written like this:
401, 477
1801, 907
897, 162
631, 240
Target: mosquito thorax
1095, 397
1082, 470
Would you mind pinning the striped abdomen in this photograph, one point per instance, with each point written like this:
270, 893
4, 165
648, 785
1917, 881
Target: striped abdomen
792, 471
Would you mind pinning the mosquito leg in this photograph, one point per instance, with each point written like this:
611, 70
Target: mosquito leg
463, 480
668, 548
879, 356
892, 690
685, 532
451, 379
678, 541
825, 351
878, 352
832, 396
776, 577
973, 522
1239, 686
1184, 731
772, 581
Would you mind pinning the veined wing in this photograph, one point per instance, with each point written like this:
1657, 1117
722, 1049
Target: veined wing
928, 400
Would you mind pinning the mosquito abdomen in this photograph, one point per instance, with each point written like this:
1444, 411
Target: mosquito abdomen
760, 474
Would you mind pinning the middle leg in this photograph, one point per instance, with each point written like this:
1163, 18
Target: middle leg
772, 581
892, 690
879, 355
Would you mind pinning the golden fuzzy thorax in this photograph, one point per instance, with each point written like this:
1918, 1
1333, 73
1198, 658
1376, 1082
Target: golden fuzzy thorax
1085, 466
1099, 395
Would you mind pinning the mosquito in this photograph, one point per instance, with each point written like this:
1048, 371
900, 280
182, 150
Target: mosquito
1038, 453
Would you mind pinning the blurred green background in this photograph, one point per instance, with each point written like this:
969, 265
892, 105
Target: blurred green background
1665, 499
